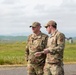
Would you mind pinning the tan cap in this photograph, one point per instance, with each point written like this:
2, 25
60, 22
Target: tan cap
53, 23
35, 24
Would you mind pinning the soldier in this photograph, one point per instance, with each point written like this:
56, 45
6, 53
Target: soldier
36, 43
54, 50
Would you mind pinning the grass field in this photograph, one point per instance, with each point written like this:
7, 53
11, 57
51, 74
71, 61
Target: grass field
70, 53
14, 53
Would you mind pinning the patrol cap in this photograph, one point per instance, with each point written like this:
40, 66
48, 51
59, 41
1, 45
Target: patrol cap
35, 24
53, 23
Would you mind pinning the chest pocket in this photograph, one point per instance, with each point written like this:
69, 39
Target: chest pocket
39, 44
52, 42
34, 44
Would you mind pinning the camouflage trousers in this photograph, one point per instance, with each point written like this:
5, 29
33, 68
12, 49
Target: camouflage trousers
34, 69
53, 69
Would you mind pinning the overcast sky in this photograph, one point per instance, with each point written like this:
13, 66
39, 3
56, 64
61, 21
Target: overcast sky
17, 15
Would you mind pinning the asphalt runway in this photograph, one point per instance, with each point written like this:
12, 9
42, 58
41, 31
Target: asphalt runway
70, 69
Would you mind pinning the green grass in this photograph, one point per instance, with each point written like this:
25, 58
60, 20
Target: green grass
14, 53
70, 53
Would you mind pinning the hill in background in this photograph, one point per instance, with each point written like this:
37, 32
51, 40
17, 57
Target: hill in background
12, 38
17, 38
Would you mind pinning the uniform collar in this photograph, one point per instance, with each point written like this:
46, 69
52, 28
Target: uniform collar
34, 36
54, 33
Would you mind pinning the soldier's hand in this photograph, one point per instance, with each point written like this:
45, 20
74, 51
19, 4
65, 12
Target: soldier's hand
46, 51
37, 54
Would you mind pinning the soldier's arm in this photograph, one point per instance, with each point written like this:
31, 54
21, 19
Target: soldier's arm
60, 44
26, 53
27, 50
46, 39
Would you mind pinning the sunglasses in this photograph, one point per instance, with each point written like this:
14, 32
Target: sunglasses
47, 26
33, 27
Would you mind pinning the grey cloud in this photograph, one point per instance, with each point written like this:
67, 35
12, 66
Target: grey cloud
10, 1
40, 8
69, 5
19, 17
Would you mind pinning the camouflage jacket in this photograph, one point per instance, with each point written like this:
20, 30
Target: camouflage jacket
55, 45
36, 44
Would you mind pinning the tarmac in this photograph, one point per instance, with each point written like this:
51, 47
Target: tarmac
69, 69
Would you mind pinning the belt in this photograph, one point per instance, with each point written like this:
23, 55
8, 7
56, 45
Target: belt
52, 63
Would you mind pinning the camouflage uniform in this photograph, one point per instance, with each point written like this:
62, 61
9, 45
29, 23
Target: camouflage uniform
54, 59
35, 44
